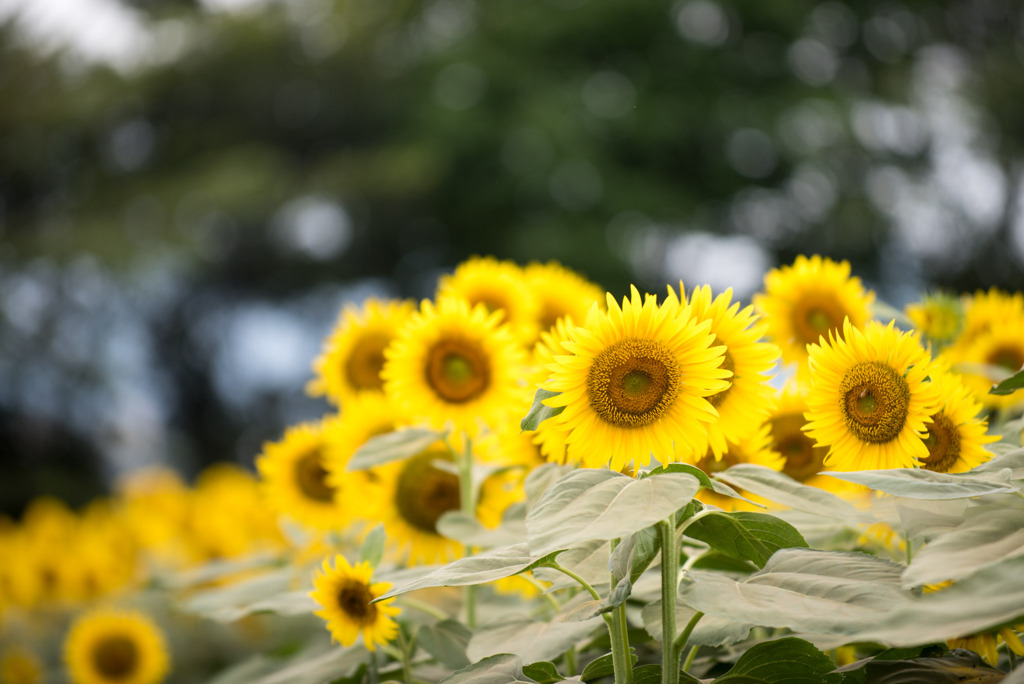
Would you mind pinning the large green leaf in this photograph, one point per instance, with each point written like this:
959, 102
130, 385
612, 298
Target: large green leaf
1010, 384
745, 536
447, 641
540, 411
918, 483
705, 480
504, 668
270, 592
317, 664
392, 446
544, 672
960, 667
597, 504
786, 491
710, 630
784, 661
530, 640
466, 529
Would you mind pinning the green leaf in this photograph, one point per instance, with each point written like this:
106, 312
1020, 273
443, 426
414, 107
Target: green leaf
446, 641
322, 662
785, 661
530, 640
503, 668
269, 592
710, 630
589, 609
635, 553
544, 672
392, 446
745, 536
958, 667
786, 491
540, 412
715, 560
602, 667
466, 529
918, 483
705, 481
1010, 384
588, 560
372, 548
739, 679
597, 504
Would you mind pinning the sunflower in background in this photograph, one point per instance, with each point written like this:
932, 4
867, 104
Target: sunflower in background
939, 317
20, 666
500, 286
353, 354
755, 449
115, 647
1001, 348
809, 300
870, 398
987, 310
560, 293
956, 436
345, 594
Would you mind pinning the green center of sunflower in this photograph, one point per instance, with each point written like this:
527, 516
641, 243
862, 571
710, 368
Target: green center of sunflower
633, 382
1009, 358
457, 370
728, 364
115, 657
425, 492
875, 400
311, 478
943, 442
354, 599
815, 316
803, 459
366, 360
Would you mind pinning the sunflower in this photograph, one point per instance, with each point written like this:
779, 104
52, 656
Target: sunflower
985, 644
755, 449
347, 595
637, 381
115, 647
956, 436
810, 300
985, 311
20, 666
870, 398
294, 473
353, 353
744, 405
560, 292
939, 317
498, 286
1000, 347
454, 364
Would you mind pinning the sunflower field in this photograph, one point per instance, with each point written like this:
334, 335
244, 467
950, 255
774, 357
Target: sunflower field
527, 480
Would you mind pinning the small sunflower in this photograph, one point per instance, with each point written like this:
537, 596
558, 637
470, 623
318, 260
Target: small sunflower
956, 436
346, 594
353, 353
560, 292
755, 449
498, 286
810, 300
294, 472
939, 317
637, 381
746, 402
115, 647
870, 398
454, 364
20, 666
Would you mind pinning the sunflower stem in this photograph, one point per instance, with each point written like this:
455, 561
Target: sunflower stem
681, 640
619, 631
669, 583
467, 502
408, 647
582, 582
570, 662
689, 657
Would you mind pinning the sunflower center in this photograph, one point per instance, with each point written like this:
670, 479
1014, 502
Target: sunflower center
365, 362
875, 400
728, 364
492, 301
1009, 358
816, 316
633, 382
709, 464
550, 313
115, 657
943, 442
425, 492
803, 459
311, 478
354, 599
458, 370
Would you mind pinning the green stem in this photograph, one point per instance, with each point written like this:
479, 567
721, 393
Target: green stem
570, 662
408, 647
622, 663
467, 499
669, 584
543, 591
689, 657
681, 640
909, 547
582, 582
372, 676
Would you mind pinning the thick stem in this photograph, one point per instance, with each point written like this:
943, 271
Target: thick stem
622, 663
669, 584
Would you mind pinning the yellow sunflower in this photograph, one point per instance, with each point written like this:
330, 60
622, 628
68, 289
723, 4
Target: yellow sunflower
985, 311
956, 436
353, 353
346, 594
560, 292
939, 317
746, 402
20, 666
755, 449
294, 473
115, 647
636, 382
453, 364
808, 300
1001, 347
986, 643
498, 286
870, 398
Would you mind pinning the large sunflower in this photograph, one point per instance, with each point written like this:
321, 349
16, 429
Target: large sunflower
453, 364
498, 286
956, 436
115, 647
637, 382
870, 398
346, 594
746, 402
353, 354
560, 292
809, 300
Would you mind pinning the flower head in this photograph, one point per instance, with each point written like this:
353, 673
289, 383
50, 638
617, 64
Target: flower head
345, 594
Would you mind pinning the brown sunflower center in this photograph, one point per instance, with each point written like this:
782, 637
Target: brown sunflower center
814, 316
803, 459
425, 492
728, 364
943, 442
458, 370
115, 657
493, 301
875, 400
549, 315
354, 599
365, 361
311, 478
709, 464
633, 382
1009, 358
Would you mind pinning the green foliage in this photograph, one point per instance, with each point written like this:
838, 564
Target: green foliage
447, 641
919, 483
784, 661
540, 411
543, 672
372, 548
745, 536
392, 446
602, 667
1009, 385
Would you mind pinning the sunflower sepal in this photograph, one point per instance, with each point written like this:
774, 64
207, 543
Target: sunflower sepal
393, 446
540, 411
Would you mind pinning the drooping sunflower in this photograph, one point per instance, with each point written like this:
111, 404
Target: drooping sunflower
956, 435
294, 473
560, 292
808, 300
345, 593
498, 286
1000, 347
636, 382
115, 647
745, 403
755, 449
453, 364
353, 353
870, 398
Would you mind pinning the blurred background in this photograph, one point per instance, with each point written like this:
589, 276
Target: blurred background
191, 189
